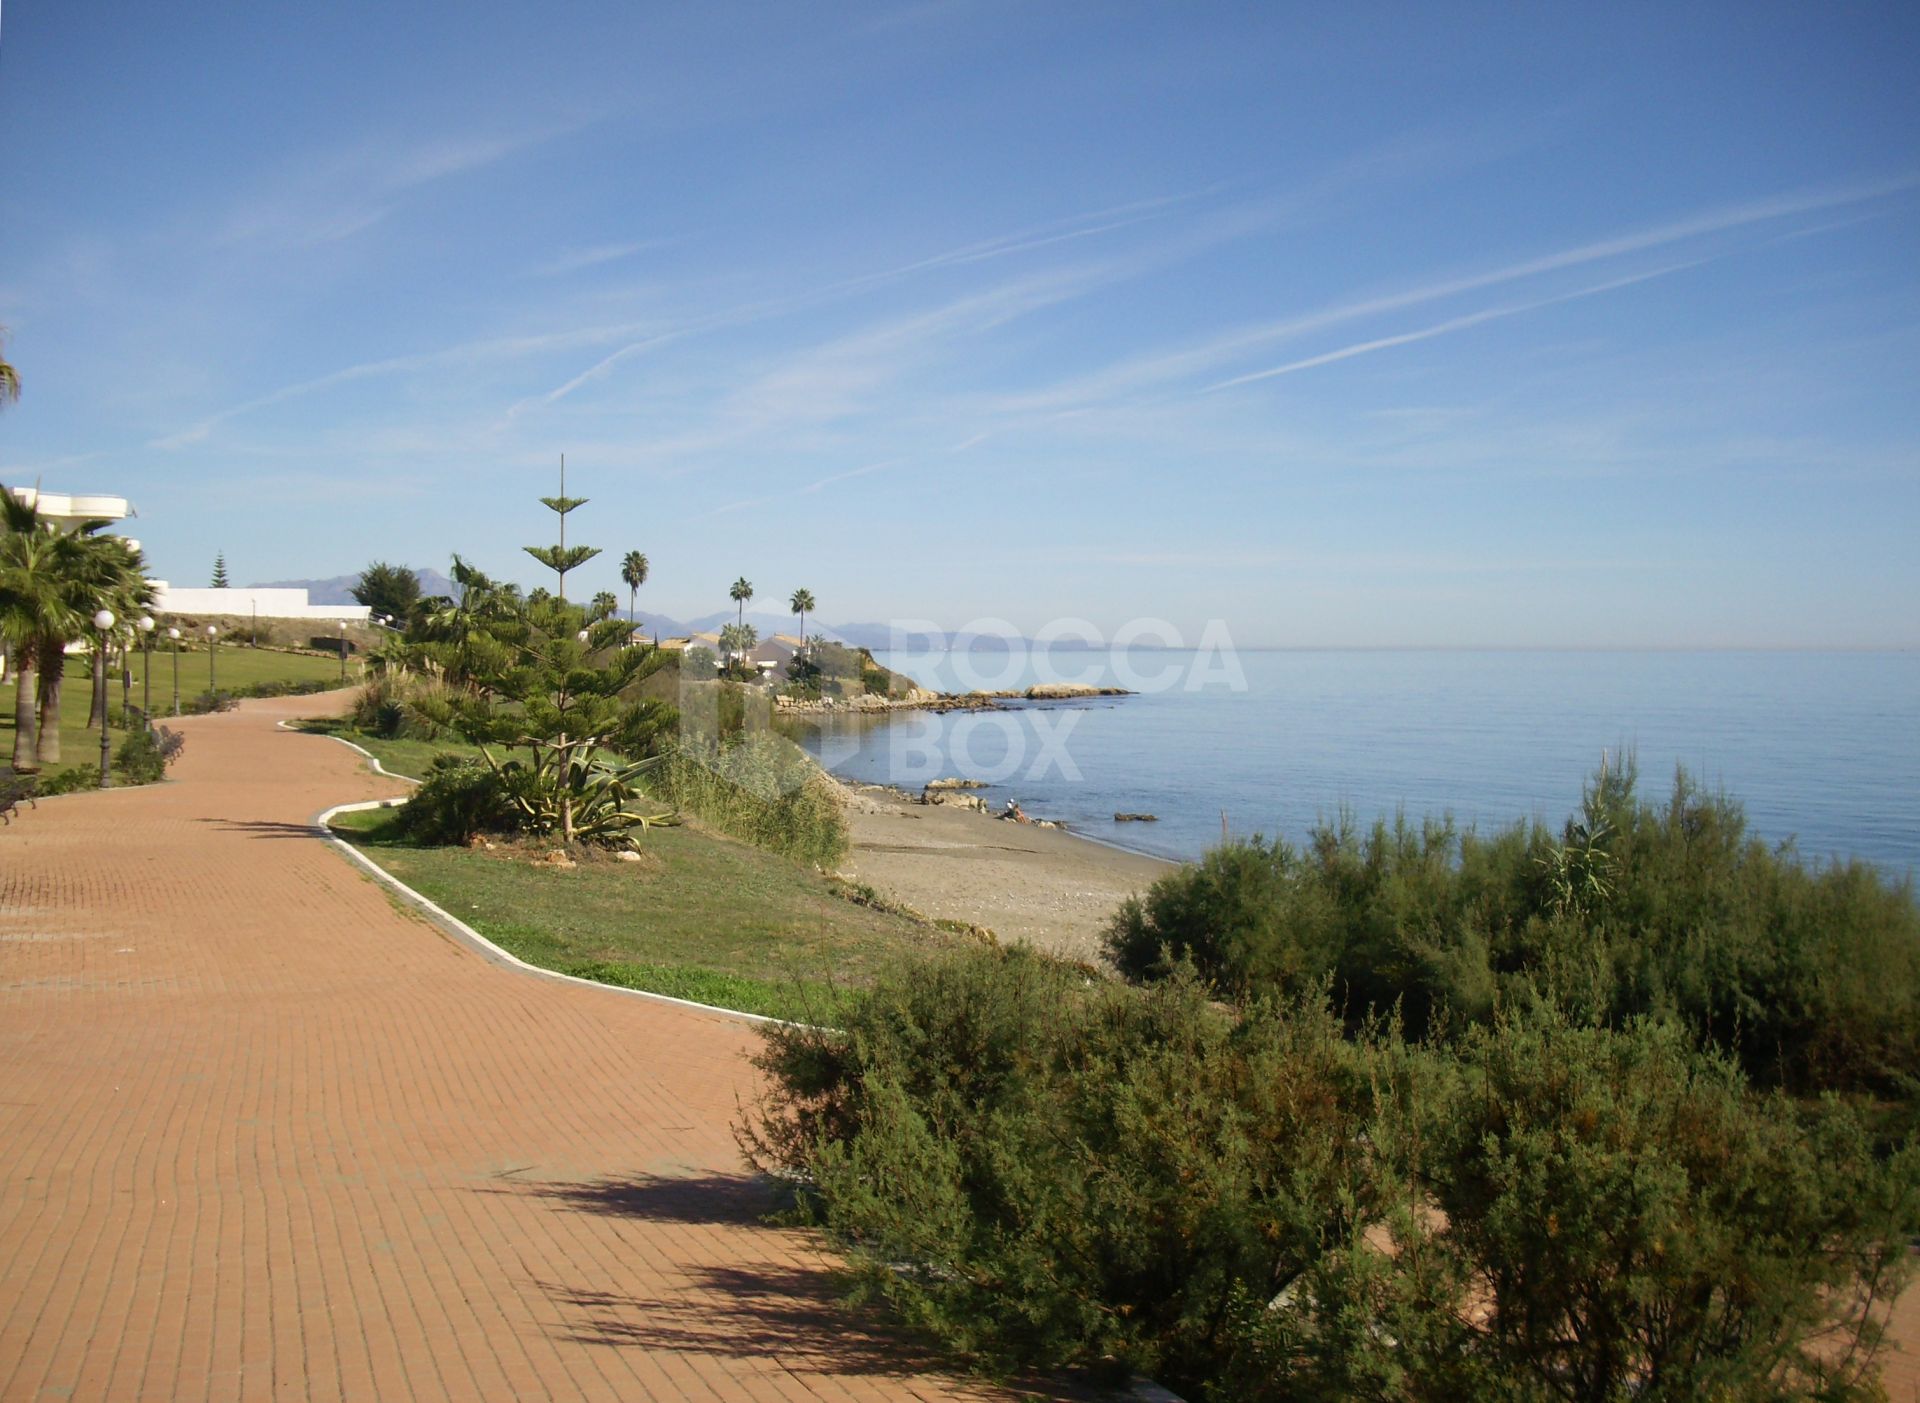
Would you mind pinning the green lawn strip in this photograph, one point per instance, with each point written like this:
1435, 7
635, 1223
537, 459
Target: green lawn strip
400, 757
235, 667
706, 918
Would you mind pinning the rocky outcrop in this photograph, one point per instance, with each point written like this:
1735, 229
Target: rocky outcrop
953, 799
956, 784
1070, 691
1136, 818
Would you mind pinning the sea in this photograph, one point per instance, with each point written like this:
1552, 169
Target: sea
1822, 749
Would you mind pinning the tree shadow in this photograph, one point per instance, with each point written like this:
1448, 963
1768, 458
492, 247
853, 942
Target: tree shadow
739, 1200
265, 828
790, 1312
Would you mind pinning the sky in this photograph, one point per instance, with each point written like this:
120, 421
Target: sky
1362, 325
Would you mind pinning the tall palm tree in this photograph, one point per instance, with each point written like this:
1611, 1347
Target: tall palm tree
96, 571
633, 572
9, 377
802, 604
33, 605
740, 594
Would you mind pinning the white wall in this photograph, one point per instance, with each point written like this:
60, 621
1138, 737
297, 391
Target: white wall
266, 603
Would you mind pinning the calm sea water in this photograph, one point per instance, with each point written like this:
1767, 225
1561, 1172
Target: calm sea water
1822, 748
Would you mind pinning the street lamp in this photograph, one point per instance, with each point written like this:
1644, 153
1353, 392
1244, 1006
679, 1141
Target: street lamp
343, 652
146, 671
174, 635
103, 621
213, 646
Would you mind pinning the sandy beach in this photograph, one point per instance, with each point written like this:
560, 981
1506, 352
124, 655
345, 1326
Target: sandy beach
1042, 886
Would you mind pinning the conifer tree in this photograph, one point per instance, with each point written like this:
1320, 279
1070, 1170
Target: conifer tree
562, 557
220, 571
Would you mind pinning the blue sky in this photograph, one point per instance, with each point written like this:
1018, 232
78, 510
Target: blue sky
1396, 325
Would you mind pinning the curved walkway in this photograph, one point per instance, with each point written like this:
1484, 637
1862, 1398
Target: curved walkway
264, 1133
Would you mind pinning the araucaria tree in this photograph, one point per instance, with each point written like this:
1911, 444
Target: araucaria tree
543, 683
802, 604
220, 571
741, 592
633, 573
562, 557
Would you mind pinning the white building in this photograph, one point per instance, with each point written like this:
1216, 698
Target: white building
68, 509
252, 603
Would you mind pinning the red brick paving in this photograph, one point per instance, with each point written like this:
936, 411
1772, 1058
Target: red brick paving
263, 1134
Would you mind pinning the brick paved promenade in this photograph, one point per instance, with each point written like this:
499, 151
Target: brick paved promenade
262, 1135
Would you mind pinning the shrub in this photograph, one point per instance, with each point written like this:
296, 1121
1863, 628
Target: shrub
1261, 1206
145, 754
71, 780
390, 705
1608, 1214
208, 702
1040, 1170
759, 788
1810, 976
457, 800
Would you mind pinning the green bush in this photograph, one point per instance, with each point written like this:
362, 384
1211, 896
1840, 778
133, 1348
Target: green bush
145, 754
1040, 1170
209, 702
1595, 1213
1259, 1205
457, 800
71, 780
759, 788
1810, 976
393, 706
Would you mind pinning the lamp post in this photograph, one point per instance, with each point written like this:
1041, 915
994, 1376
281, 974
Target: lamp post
213, 646
174, 635
103, 621
343, 652
146, 669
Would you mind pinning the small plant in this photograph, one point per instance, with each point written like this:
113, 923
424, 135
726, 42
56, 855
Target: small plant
208, 702
143, 757
457, 801
72, 780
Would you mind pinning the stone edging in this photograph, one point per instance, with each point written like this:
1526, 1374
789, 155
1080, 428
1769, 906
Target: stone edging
458, 928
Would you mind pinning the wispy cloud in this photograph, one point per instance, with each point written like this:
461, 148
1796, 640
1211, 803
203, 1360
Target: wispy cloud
332, 196
1144, 373
1453, 324
486, 348
579, 260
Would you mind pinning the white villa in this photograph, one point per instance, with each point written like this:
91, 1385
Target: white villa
69, 509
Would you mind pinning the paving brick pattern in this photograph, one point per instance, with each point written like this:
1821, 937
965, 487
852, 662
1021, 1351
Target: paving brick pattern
264, 1134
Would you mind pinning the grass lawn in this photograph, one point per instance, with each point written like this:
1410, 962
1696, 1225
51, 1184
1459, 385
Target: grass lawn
702, 917
235, 667
399, 757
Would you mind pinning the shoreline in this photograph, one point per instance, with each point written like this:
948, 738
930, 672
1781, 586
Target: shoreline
1049, 887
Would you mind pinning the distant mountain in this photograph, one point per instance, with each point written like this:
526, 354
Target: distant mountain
339, 589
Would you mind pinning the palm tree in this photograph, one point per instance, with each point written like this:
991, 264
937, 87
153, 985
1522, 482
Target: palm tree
33, 605
95, 571
605, 605
802, 604
740, 594
54, 582
633, 572
9, 377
